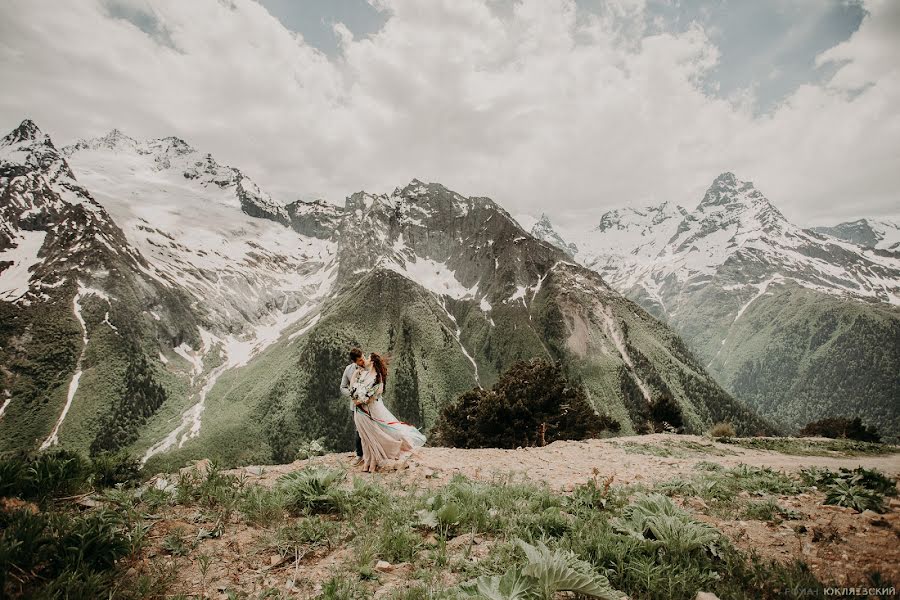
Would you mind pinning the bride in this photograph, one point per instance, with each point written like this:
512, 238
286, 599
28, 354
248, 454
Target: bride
384, 438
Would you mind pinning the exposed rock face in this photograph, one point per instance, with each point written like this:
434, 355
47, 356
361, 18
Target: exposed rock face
883, 234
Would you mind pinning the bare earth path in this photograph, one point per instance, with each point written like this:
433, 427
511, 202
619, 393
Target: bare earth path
565, 464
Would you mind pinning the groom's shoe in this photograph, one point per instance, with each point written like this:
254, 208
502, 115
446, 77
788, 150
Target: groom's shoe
356, 461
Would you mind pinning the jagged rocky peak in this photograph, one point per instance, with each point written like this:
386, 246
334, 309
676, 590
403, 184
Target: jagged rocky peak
173, 144
729, 200
436, 198
725, 189
175, 155
117, 139
29, 141
729, 191
316, 218
543, 230
114, 140
25, 132
543, 226
28, 148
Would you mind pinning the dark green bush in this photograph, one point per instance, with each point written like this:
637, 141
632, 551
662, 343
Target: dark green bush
45, 475
841, 427
313, 490
111, 469
63, 473
532, 404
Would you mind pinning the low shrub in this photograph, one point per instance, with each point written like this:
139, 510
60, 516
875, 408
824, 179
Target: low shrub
262, 506
111, 469
313, 490
545, 573
722, 430
307, 533
59, 473
860, 488
44, 475
310, 449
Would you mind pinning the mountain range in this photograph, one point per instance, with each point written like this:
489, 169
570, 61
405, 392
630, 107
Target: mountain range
797, 323
156, 301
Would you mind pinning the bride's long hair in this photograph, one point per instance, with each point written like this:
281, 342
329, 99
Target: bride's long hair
380, 363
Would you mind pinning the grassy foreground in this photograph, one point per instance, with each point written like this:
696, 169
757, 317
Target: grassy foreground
78, 529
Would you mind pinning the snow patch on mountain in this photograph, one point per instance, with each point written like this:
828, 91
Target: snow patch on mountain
615, 334
16, 276
762, 288
458, 334
437, 277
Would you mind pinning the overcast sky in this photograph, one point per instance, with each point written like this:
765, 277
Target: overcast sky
545, 105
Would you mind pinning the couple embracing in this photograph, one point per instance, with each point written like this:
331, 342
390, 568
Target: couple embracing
381, 439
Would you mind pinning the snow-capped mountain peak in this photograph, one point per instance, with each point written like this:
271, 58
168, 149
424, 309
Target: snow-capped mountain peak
737, 234
639, 219
543, 230
236, 250
731, 201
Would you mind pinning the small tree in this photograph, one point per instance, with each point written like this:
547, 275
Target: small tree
532, 404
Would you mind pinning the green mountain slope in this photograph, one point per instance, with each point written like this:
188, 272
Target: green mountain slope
798, 355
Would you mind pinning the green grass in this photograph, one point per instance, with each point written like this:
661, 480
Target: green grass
768, 510
725, 484
675, 449
809, 447
262, 506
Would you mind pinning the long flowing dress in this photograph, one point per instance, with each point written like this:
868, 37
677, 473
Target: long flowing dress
384, 437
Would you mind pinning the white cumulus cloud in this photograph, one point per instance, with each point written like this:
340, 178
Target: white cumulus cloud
537, 104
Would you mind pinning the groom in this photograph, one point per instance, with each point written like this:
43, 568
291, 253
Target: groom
356, 362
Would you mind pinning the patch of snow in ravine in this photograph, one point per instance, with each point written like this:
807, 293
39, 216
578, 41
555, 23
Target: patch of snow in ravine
83, 291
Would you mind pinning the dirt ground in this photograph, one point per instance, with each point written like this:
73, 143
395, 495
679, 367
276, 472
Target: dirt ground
563, 465
839, 545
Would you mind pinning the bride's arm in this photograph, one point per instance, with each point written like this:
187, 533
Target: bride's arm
377, 391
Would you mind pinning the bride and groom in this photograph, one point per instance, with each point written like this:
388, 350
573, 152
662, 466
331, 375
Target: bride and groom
380, 437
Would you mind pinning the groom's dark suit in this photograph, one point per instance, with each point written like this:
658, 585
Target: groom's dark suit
345, 391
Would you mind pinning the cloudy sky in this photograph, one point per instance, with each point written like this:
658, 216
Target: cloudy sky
568, 106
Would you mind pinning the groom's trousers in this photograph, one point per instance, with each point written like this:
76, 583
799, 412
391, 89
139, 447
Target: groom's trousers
359, 451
